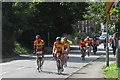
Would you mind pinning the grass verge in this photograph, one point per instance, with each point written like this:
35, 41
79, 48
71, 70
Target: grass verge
112, 71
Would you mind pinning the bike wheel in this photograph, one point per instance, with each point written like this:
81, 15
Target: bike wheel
58, 67
65, 61
40, 64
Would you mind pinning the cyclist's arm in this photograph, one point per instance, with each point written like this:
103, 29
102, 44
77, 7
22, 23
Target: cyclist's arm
68, 47
43, 45
53, 49
34, 49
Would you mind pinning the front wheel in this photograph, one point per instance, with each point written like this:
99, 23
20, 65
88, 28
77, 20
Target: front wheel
59, 67
40, 64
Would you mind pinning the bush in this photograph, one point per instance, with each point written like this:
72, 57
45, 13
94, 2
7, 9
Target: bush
20, 49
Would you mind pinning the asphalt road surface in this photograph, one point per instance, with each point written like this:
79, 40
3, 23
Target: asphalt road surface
26, 67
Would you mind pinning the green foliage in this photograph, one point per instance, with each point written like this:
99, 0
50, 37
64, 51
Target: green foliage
48, 48
96, 11
20, 49
111, 71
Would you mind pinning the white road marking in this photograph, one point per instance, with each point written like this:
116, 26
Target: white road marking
5, 72
20, 68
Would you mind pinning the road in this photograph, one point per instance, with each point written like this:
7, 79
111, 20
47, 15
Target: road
26, 68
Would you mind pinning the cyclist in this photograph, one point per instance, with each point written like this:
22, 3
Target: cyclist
104, 43
38, 46
88, 44
58, 47
95, 43
66, 45
82, 46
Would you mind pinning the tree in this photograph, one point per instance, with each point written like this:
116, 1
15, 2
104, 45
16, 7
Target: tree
96, 11
22, 21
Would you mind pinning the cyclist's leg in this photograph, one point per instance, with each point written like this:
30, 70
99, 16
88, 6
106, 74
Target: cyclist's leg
81, 51
42, 54
90, 50
84, 50
37, 61
42, 58
67, 53
55, 56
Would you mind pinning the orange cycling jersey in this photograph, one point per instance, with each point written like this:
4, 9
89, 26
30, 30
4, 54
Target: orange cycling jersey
39, 45
88, 42
94, 42
58, 47
66, 44
82, 43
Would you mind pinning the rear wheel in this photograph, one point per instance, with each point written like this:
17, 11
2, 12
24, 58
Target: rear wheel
39, 64
65, 59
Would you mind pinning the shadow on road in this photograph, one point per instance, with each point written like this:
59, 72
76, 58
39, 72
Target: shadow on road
48, 72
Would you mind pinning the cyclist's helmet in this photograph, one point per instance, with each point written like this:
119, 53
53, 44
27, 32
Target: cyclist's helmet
37, 36
65, 38
58, 39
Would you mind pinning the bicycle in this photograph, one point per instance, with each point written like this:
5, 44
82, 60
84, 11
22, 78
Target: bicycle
83, 53
40, 62
59, 66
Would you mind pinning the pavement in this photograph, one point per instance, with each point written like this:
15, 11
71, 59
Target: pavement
26, 67
93, 69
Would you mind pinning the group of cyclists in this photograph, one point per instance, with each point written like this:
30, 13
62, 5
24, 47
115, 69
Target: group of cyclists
86, 45
61, 47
